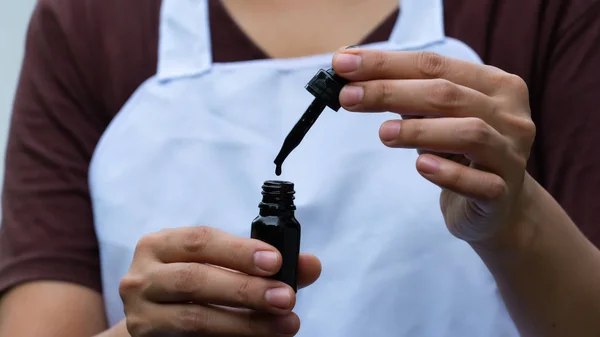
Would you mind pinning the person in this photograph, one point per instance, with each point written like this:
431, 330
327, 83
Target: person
142, 131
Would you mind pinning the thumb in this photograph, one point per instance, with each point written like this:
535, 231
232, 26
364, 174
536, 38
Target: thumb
309, 270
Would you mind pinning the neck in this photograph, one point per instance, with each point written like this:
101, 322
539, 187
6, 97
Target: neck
347, 22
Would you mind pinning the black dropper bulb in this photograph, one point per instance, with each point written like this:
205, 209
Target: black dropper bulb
325, 86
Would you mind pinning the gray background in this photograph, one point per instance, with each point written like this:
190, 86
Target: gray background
14, 18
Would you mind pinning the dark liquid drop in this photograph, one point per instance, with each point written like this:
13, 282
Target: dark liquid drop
278, 170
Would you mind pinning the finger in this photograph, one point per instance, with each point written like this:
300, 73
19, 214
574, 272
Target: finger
364, 65
471, 137
309, 270
197, 320
464, 180
201, 283
213, 246
440, 98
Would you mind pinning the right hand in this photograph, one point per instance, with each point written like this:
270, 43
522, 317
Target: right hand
200, 281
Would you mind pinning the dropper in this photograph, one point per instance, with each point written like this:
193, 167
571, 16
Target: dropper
325, 86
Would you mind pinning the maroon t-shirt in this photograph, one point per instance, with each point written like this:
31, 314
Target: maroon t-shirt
84, 58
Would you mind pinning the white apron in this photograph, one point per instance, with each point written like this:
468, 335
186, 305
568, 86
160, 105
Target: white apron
194, 143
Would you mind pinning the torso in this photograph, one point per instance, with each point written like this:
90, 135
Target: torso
62, 109
194, 143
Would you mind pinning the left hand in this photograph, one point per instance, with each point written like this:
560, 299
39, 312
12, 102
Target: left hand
475, 147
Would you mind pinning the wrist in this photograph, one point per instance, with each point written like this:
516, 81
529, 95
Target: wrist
522, 227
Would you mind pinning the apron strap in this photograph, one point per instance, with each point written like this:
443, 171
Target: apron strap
421, 23
184, 39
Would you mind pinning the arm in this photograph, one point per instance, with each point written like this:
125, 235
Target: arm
54, 309
550, 281
549, 274
49, 264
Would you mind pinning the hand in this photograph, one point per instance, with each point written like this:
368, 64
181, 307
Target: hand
474, 142
200, 281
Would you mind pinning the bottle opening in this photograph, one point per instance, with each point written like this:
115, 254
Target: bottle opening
277, 187
278, 194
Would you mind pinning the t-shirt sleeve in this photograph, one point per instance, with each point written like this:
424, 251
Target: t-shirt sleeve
47, 228
568, 139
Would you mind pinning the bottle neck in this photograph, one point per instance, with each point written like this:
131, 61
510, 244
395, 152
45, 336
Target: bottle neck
275, 210
277, 199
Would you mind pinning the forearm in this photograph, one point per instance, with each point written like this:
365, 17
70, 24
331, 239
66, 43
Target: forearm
549, 276
51, 309
119, 330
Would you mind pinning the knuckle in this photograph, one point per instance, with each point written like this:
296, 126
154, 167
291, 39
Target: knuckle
381, 62
496, 188
137, 326
413, 133
508, 81
494, 108
475, 134
497, 78
196, 239
444, 94
517, 84
244, 290
492, 69
523, 131
431, 64
385, 93
526, 129
456, 177
131, 284
238, 246
149, 241
186, 278
193, 319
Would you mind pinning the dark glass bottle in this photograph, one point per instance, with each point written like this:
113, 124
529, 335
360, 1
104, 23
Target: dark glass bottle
277, 226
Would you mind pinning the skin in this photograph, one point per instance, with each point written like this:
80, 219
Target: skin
546, 270
475, 147
174, 285
170, 269
47, 309
303, 22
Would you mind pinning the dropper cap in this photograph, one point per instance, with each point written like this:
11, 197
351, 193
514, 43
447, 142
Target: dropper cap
326, 86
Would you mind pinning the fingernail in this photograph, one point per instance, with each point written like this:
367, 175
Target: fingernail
266, 261
352, 47
389, 131
279, 298
346, 63
428, 165
351, 95
286, 325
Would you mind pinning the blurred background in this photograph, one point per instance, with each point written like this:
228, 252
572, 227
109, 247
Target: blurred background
14, 17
